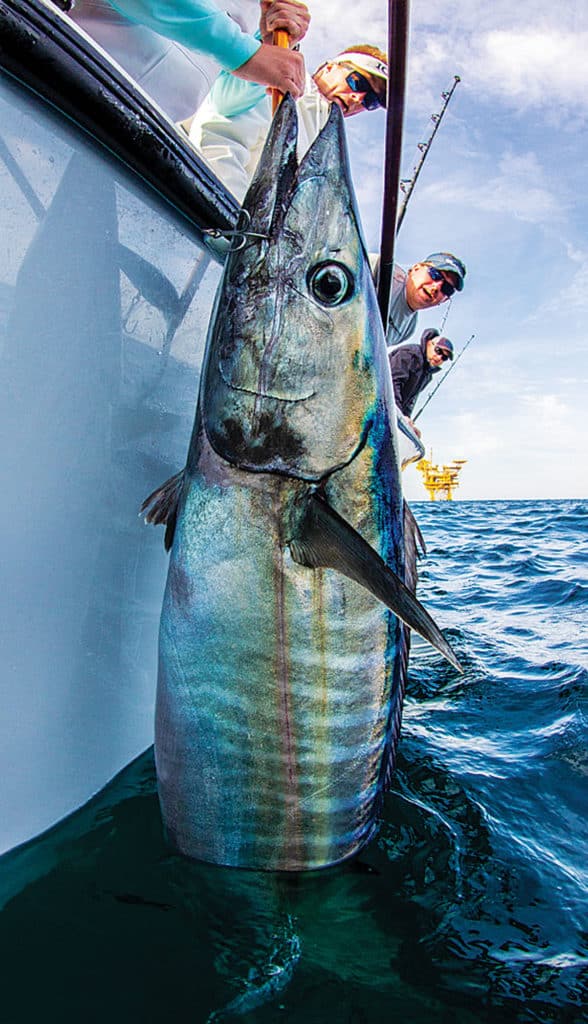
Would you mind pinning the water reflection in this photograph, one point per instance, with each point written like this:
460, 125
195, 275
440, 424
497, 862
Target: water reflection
431, 923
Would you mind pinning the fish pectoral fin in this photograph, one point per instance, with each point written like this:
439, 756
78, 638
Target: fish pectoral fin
325, 539
162, 506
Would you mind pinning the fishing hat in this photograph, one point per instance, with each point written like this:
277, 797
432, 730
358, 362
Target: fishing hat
369, 64
447, 261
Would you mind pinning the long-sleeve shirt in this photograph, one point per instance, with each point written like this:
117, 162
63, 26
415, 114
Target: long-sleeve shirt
198, 24
231, 126
176, 76
411, 372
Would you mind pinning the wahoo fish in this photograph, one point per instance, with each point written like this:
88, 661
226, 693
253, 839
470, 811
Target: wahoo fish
285, 622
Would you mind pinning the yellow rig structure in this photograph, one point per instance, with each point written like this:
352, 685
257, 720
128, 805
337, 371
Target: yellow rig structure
440, 481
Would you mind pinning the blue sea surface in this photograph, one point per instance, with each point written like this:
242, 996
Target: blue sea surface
470, 906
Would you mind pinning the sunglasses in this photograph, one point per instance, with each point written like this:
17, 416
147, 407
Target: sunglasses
357, 83
436, 275
441, 352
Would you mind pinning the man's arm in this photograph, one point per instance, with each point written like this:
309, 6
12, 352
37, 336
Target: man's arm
202, 26
230, 127
231, 145
230, 95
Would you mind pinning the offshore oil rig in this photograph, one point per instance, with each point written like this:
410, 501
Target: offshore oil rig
440, 481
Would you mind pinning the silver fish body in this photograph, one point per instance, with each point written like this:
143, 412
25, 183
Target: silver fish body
281, 669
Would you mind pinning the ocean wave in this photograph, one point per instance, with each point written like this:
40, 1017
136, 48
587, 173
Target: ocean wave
470, 904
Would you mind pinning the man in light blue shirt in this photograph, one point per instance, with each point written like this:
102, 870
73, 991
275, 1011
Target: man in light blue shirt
201, 25
173, 48
230, 128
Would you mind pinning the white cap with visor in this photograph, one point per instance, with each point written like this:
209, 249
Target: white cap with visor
363, 62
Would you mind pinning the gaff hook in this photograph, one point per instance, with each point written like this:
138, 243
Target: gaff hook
234, 233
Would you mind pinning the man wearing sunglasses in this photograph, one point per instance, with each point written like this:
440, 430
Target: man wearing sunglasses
231, 126
355, 80
425, 285
413, 367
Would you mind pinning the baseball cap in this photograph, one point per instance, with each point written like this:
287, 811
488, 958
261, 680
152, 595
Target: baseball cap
447, 261
446, 345
363, 62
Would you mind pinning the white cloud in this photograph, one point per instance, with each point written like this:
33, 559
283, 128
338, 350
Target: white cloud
529, 56
573, 297
575, 254
523, 448
550, 410
534, 68
330, 31
518, 190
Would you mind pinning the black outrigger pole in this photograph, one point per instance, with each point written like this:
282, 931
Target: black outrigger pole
398, 12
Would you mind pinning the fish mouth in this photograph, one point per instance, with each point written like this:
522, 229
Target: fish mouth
257, 394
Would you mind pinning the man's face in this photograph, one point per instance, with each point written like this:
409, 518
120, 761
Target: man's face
331, 79
421, 291
434, 358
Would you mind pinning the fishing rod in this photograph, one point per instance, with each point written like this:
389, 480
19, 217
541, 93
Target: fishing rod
407, 186
444, 377
398, 16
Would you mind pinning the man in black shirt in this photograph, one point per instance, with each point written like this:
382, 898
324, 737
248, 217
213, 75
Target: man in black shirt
413, 366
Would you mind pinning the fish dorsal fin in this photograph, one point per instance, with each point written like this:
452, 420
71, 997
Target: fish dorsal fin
162, 506
325, 539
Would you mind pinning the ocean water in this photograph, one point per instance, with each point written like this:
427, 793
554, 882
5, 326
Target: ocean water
470, 905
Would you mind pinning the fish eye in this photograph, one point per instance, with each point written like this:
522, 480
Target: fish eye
330, 283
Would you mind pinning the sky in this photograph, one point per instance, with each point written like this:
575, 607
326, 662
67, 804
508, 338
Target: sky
503, 187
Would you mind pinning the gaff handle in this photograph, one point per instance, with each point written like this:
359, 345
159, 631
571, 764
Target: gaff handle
280, 38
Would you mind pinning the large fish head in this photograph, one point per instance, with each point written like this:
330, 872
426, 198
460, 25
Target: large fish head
296, 352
